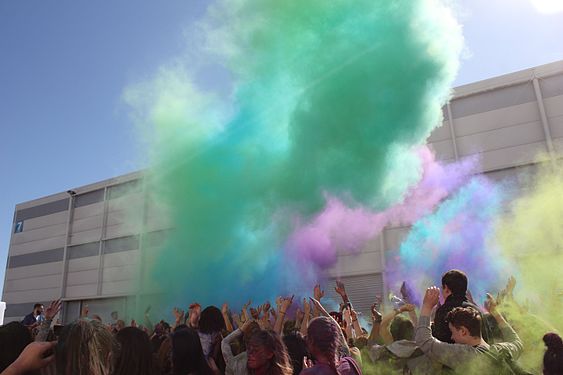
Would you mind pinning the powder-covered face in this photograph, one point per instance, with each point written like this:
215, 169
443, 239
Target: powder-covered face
258, 356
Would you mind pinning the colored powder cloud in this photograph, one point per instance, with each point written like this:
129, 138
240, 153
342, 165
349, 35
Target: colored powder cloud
326, 99
347, 229
530, 234
455, 236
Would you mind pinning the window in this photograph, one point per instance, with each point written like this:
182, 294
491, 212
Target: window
19, 227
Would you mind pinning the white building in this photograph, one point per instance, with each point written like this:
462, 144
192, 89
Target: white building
84, 246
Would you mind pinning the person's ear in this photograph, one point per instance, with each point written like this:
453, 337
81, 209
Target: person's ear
464, 331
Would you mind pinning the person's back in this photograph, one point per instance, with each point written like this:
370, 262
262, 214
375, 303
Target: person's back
454, 289
553, 357
85, 347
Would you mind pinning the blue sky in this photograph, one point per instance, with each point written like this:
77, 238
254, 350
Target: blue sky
64, 66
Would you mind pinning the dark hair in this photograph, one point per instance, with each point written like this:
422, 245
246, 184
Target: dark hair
553, 357
37, 305
465, 317
14, 337
84, 347
135, 353
297, 349
456, 281
401, 328
180, 327
323, 334
280, 364
187, 354
211, 320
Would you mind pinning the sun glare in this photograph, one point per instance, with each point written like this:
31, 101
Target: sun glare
548, 6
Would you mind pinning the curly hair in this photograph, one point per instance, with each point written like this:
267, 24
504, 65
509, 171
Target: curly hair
324, 335
280, 364
465, 317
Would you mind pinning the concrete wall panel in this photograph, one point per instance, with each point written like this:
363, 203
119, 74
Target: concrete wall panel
117, 287
90, 210
44, 221
87, 223
124, 258
35, 282
444, 150
32, 295
120, 273
42, 233
86, 236
497, 139
441, 133
36, 270
82, 277
38, 245
500, 118
81, 291
83, 264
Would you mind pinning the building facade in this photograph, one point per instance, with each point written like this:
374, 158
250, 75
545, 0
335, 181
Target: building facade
92, 244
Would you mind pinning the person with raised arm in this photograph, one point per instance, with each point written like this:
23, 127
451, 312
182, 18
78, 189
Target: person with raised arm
236, 365
470, 353
283, 306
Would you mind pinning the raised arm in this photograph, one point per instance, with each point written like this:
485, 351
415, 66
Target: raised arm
341, 290
376, 319
512, 341
50, 312
318, 294
226, 317
306, 317
384, 330
285, 303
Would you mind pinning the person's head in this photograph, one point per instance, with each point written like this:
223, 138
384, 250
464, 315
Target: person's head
323, 339
135, 352
248, 330
553, 357
454, 282
194, 314
114, 315
211, 320
297, 349
187, 353
401, 328
465, 325
14, 337
119, 325
38, 309
97, 317
266, 351
85, 347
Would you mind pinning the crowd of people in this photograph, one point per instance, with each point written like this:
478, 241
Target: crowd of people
447, 333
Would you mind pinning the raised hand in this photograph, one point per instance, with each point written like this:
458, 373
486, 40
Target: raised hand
255, 314
53, 309
491, 304
178, 314
318, 293
225, 309
375, 314
431, 297
408, 307
85, 311
340, 289
266, 306
285, 303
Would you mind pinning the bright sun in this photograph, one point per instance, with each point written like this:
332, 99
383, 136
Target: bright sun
548, 6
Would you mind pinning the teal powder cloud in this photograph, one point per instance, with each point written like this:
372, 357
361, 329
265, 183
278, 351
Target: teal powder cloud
326, 98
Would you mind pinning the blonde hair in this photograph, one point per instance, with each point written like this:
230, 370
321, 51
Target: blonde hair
85, 347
